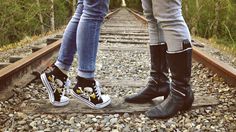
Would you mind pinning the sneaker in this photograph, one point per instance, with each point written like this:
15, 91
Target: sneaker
89, 93
57, 85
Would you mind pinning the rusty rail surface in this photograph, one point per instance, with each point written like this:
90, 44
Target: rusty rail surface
227, 72
21, 73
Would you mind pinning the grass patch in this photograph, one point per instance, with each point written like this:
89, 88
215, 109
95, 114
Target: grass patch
27, 40
222, 45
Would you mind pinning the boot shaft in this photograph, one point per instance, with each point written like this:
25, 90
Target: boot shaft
180, 64
159, 68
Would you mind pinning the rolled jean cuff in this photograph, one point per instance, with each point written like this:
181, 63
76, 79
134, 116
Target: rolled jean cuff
62, 66
86, 74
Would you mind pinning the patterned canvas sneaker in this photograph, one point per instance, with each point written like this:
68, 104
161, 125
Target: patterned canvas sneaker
89, 93
57, 85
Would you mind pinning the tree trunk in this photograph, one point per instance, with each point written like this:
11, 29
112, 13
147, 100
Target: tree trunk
52, 19
186, 8
73, 6
197, 5
197, 17
40, 18
217, 17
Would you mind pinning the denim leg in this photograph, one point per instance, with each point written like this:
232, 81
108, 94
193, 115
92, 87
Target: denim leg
68, 46
155, 32
88, 35
169, 14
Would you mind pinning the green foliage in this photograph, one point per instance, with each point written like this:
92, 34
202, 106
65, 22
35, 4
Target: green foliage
63, 12
115, 4
134, 4
207, 18
20, 18
211, 18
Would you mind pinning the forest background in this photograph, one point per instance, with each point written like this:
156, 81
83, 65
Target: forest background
210, 19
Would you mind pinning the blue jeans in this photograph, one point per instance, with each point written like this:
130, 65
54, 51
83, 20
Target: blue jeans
82, 35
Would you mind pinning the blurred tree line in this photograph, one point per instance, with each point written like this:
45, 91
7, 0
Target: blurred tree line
207, 18
212, 19
134, 4
115, 4
21, 18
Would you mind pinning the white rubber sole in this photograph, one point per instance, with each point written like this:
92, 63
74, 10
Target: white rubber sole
91, 105
50, 92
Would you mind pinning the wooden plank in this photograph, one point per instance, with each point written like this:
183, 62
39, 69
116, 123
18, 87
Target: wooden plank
124, 37
124, 34
117, 106
4, 64
124, 30
124, 41
126, 83
123, 48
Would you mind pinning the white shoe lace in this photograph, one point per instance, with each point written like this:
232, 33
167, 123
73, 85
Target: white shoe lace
66, 90
98, 90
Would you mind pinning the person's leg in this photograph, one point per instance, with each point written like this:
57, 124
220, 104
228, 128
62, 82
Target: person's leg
179, 58
68, 46
155, 32
86, 89
55, 78
88, 36
175, 30
158, 83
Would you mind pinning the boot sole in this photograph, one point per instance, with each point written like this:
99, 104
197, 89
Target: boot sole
138, 102
169, 116
50, 92
185, 108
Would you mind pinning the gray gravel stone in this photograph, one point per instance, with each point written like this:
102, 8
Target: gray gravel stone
126, 129
114, 120
94, 120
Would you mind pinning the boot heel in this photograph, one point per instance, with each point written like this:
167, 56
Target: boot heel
187, 107
166, 91
188, 103
165, 96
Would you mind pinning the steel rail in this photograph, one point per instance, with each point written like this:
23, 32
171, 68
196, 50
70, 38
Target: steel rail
21, 73
227, 72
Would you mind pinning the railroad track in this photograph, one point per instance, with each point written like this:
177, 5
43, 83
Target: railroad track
24, 70
29, 67
122, 68
224, 70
